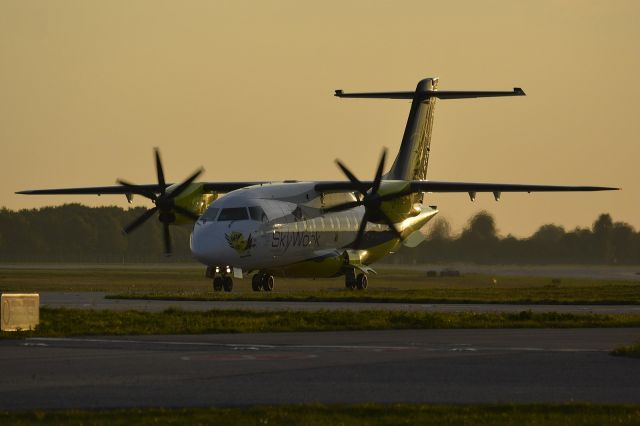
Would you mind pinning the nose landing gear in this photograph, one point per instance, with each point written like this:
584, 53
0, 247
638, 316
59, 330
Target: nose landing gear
221, 281
262, 281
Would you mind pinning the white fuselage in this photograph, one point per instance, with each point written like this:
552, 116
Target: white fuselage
270, 226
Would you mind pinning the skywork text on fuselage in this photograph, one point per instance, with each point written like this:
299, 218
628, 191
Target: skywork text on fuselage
284, 240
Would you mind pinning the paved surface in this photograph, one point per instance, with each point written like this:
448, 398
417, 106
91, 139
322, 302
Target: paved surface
436, 366
96, 300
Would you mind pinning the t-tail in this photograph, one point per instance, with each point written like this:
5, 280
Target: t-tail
413, 157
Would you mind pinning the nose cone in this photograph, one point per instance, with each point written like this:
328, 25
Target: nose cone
206, 244
217, 244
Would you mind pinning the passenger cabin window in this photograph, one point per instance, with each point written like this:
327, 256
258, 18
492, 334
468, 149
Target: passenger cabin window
234, 213
210, 214
258, 214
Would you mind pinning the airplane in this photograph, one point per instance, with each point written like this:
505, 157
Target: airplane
317, 228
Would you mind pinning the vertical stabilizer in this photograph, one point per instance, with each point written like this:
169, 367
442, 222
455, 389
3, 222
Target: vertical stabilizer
413, 157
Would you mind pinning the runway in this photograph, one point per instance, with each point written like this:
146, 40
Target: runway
96, 300
425, 366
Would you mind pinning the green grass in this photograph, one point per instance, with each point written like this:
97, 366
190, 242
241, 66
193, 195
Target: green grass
77, 322
606, 295
346, 415
180, 283
630, 351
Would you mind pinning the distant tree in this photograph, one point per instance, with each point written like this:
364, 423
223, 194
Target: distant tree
479, 239
625, 242
603, 239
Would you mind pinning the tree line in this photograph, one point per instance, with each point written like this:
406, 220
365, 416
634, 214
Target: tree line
606, 242
76, 233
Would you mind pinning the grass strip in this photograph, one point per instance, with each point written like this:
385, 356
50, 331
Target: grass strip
332, 415
78, 322
548, 295
632, 351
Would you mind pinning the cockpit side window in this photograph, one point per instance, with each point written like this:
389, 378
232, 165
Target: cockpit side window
258, 214
233, 213
210, 214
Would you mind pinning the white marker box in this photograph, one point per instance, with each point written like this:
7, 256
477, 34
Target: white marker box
19, 311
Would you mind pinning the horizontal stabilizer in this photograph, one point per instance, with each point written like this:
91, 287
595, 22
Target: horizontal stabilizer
425, 94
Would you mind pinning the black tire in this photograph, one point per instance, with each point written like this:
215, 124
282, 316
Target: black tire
268, 282
256, 282
217, 284
227, 283
350, 280
362, 281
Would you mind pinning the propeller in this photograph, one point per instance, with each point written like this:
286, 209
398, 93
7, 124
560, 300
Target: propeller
371, 200
164, 202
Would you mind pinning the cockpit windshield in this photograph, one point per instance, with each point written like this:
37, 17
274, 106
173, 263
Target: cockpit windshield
258, 214
210, 214
229, 214
233, 213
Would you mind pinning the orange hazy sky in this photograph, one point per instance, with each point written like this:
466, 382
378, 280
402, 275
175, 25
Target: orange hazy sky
245, 89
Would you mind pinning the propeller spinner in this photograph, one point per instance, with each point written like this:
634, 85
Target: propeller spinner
164, 202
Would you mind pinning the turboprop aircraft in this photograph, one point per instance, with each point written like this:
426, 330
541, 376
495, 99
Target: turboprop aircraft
312, 229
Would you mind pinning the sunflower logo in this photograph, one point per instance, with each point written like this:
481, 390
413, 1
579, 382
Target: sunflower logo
237, 242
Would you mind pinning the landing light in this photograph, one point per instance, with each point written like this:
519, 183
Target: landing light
217, 269
228, 269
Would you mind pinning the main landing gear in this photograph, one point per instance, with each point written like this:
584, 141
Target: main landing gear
351, 281
262, 282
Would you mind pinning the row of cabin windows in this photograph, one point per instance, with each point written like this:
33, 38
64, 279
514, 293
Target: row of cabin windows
235, 213
257, 213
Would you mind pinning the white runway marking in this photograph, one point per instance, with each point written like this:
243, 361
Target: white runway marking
460, 347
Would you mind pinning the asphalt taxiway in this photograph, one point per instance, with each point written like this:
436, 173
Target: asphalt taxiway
97, 300
422, 366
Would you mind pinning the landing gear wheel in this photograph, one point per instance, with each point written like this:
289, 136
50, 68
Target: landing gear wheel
362, 281
217, 284
256, 282
227, 283
267, 282
350, 280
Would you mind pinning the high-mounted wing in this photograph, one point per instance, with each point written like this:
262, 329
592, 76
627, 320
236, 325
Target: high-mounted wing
220, 187
414, 186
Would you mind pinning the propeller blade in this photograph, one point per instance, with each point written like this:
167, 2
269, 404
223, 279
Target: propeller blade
140, 220
180, 188
343, 206
361, 187
361, 229
378, 178
135, 189
167, 239
160, 171
186, 212
390, 223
